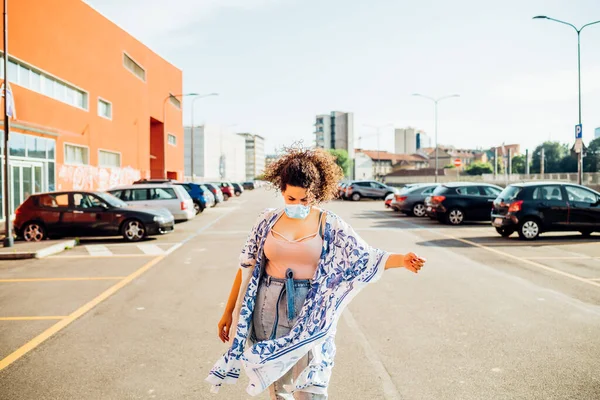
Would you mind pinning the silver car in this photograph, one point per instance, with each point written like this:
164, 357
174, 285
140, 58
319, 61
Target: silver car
158, 195
411, 199
357, 190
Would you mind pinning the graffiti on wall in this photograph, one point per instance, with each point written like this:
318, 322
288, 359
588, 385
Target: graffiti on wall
86, 177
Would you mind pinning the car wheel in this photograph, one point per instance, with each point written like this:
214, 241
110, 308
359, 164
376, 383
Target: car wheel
529, 229
455, 216
238, 193
505, 232
198, 208
133, 230
225, 197
586, 233
418, 210
34, 232
356, 197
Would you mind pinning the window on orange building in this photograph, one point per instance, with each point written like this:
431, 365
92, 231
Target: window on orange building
134, 67
104, 108
109, 159
76, 154
172, 140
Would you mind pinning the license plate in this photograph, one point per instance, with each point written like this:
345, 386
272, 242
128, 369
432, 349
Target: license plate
428, 208
498, 222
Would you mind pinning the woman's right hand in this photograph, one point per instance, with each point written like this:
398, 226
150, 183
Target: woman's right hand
224, 326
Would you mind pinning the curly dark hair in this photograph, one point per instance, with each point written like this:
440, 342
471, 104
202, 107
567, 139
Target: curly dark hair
314, 170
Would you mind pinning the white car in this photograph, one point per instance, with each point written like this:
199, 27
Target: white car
158, 195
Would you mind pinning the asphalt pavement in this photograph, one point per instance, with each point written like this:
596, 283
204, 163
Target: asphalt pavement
487, 318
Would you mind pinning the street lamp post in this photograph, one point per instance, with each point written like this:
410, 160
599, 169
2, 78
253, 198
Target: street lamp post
8, 237
378, 130
165, 135
192, 130
580, 153
436, 101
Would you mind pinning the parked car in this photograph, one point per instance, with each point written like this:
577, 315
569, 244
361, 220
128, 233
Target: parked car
342, 189
237, 189
208, 195
158, 195
226, 188
249, 185
216, 191
534, 208
357, 190
81, 213
196, 193
455, 203
411, 199
388, 200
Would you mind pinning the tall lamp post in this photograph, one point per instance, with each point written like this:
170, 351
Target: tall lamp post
165, 134
436, 101
579, 150
378, 130
192, 130
8, 237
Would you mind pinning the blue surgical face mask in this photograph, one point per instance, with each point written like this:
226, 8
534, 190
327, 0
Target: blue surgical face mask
297, 211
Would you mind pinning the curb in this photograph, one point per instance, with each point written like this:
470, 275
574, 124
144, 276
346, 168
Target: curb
42, 253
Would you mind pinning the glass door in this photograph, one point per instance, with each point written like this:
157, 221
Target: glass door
26, 179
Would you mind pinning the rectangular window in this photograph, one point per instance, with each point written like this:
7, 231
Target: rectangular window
174, 100
38, 81
163, 194
172, 140
76, 154
109, 159
134, 67
104, 109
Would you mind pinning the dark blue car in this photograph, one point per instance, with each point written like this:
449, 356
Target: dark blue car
200, 194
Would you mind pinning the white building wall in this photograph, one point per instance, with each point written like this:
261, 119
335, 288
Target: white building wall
363, 166
405, 141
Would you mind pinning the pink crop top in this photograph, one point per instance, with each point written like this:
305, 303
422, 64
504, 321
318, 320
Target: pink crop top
301, 255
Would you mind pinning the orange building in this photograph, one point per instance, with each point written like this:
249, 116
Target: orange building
95, 108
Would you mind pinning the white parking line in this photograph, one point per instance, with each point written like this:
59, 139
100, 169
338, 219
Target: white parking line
98, 250
150, 249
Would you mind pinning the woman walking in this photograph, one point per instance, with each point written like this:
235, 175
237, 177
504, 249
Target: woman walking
299, 268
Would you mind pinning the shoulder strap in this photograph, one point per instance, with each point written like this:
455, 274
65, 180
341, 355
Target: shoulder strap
321, 224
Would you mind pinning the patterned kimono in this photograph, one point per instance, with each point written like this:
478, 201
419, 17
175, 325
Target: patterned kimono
346, 266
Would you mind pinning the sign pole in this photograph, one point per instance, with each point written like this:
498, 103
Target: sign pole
8, 238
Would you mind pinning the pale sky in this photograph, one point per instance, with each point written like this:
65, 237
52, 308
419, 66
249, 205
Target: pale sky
278, 63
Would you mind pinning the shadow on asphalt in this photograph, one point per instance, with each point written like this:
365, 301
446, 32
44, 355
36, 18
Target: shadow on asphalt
490, 241
112, 240
397, 220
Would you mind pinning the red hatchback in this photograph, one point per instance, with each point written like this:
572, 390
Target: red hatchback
86, 214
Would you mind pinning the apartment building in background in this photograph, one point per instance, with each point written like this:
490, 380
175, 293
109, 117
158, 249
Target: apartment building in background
255, 155
410, 140
335, 131
93, 105
597, 133
216, 153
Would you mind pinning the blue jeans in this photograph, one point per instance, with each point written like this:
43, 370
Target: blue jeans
278, 303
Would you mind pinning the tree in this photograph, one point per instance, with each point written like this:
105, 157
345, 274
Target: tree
518, 164
479, 168
591, 162
554, 152
342, 159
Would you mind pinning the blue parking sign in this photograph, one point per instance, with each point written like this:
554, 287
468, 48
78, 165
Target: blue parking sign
578, 132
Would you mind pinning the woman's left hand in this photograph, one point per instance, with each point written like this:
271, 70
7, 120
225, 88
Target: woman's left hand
413, 262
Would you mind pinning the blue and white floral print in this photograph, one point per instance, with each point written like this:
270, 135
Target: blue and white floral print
347, 264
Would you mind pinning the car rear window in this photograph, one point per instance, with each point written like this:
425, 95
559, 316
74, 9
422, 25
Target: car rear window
468, 191
510, 193
162, 194
53, 200
440, 190
551, 192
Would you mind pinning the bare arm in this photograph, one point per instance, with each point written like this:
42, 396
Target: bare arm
224, 325
410, 261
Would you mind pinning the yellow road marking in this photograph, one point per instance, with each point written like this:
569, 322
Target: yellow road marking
31, 318
100, 278
39, 339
